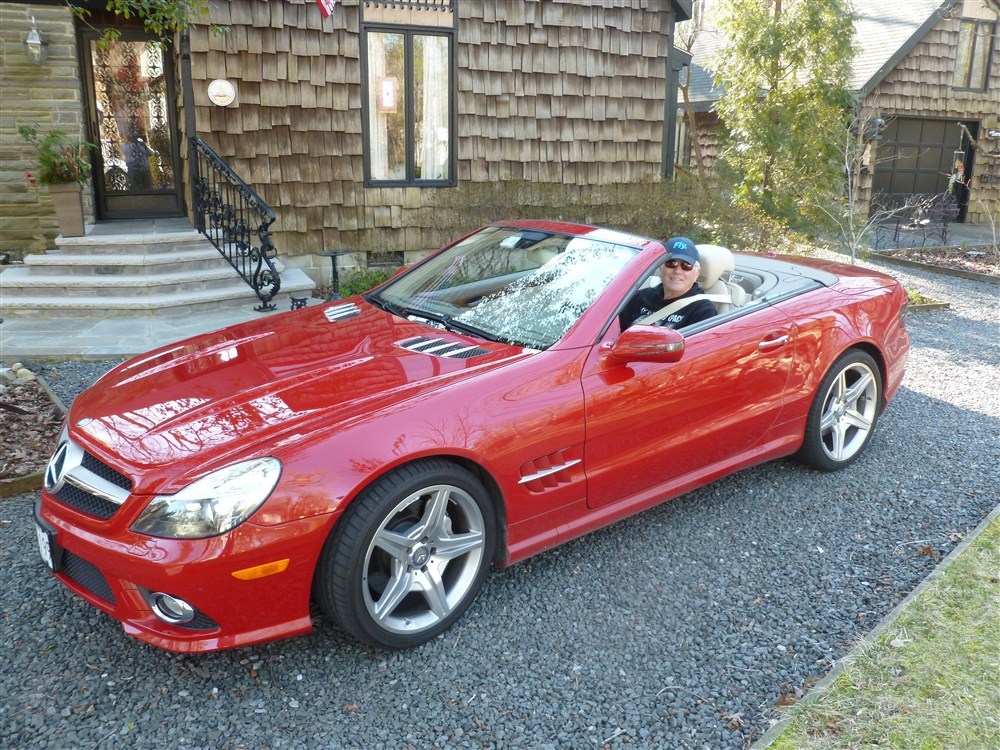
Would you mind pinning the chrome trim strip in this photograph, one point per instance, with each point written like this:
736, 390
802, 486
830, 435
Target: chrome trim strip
107, 491
444, 345
460, 351
419, 346
547, 472
437, 347
341, 311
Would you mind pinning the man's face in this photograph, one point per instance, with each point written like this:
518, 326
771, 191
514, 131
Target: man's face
676, 280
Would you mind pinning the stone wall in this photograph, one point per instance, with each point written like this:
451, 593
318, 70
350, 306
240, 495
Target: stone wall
49, 94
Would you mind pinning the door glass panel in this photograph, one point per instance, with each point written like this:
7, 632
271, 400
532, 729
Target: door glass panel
132, 117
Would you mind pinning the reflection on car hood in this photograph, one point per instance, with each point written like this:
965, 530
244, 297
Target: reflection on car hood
260, 380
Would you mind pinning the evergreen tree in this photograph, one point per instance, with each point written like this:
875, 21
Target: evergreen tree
785, 75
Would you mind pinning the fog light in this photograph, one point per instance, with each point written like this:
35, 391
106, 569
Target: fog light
171, 609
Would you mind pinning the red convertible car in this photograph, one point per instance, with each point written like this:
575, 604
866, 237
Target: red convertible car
378, 454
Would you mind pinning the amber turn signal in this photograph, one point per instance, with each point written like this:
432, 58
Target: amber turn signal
262, 571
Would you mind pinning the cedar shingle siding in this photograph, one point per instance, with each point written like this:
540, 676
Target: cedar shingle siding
905, 69
921, 85
556, 92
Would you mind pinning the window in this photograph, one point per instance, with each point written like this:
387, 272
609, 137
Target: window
408, 103
975, 51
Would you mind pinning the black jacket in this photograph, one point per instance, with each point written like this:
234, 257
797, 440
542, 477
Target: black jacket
647, 301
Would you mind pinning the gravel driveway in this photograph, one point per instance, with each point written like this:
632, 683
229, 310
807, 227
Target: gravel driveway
679, 628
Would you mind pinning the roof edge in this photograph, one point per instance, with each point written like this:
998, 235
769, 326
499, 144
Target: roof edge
905, 49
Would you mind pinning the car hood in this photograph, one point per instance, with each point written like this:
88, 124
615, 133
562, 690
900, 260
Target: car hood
280, 378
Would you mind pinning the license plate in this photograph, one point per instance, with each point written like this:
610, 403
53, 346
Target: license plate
45, 546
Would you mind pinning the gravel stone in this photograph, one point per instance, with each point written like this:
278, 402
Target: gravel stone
681, 627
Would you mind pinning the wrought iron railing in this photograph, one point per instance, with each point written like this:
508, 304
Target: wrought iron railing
235, 219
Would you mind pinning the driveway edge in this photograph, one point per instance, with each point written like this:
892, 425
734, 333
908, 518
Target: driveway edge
868, 639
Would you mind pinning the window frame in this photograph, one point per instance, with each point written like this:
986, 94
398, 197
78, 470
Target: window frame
408, 32
982, 30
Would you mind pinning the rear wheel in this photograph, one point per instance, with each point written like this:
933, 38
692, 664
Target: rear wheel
409, 556
843, 413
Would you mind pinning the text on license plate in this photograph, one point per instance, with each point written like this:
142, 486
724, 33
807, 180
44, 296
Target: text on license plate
45, 547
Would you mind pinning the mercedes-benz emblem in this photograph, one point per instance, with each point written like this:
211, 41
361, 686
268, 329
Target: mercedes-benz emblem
56, 469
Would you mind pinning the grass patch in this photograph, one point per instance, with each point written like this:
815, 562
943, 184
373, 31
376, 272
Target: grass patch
930, 681
916, 298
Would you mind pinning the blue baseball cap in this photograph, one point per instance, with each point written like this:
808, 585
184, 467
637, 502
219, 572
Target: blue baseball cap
683, 249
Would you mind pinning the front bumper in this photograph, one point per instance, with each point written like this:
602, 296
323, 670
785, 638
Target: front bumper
117, 570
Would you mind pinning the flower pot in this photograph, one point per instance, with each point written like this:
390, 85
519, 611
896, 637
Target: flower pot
68, 201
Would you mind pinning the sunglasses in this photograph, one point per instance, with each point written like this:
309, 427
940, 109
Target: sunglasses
674, 262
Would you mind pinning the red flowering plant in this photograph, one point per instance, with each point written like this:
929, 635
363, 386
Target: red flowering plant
59, 162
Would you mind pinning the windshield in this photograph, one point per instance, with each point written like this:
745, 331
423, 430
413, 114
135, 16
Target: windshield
521, 286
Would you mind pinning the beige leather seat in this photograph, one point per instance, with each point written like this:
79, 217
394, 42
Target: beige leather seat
717, 261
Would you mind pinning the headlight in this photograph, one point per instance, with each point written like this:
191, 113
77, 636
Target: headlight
214, 504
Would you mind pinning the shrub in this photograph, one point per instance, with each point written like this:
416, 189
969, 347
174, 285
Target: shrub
361, 280
59, 162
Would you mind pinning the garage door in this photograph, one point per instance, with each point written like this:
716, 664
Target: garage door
917, 155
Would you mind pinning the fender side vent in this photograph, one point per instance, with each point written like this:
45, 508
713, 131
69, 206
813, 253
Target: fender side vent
551, 471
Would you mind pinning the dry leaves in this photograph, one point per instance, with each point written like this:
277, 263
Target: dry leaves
29, 427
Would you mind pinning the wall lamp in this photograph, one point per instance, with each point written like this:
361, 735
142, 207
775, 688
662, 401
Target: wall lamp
38, 47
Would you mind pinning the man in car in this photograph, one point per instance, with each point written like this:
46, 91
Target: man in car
678, 281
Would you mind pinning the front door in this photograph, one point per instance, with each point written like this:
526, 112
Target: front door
129, 89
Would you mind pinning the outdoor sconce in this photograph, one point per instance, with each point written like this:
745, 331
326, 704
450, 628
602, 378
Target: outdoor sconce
873, 129
36, 44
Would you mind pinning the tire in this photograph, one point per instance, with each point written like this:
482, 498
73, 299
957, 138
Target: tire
409, 556
843, 414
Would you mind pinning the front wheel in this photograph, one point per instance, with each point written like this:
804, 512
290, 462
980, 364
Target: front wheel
843, 413
409, 556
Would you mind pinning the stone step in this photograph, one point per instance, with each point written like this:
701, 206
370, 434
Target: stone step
148, 301
128, 244
59, 263
16, 283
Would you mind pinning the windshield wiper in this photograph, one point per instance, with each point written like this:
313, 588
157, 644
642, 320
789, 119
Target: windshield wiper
462, 327
445, 320
389, 307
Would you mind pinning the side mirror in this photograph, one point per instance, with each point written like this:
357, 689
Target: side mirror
648, 344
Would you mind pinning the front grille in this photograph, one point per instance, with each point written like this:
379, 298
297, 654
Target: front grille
84, 502
101, 469
86, 575
84, 482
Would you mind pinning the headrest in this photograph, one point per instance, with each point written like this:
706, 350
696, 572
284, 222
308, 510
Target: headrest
715, 261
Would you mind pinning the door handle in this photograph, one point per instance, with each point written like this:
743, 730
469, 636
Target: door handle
769, 345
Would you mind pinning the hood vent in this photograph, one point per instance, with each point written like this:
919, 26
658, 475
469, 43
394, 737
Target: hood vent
441, 348
341, 312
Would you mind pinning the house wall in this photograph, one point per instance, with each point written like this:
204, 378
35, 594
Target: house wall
709, 136
921, 86
47, 94
557, 92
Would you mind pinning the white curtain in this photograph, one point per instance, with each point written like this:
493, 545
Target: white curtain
432, 146
377, 122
